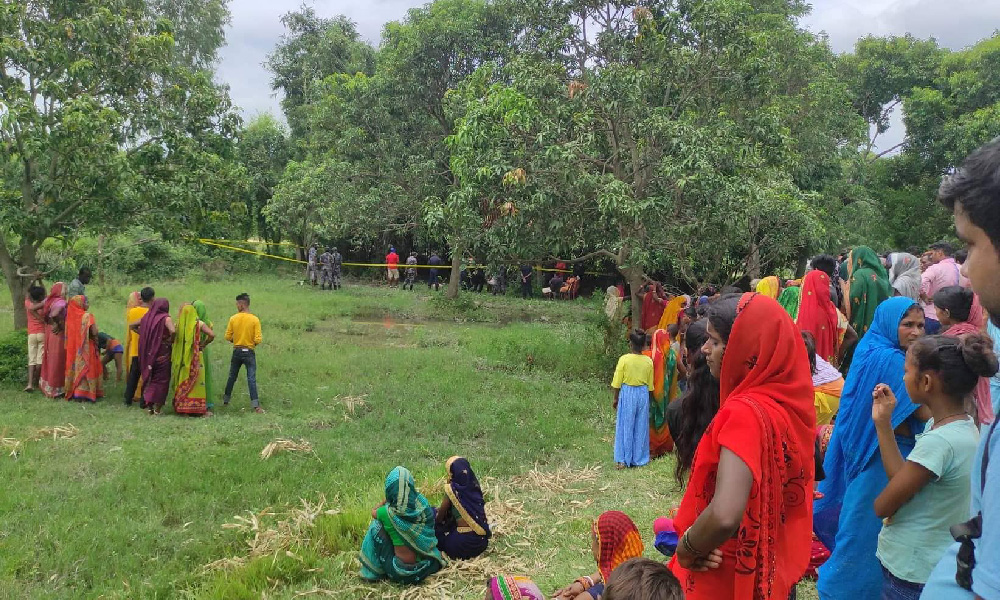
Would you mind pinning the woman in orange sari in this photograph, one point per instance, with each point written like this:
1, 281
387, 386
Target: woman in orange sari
83, 360
665, 389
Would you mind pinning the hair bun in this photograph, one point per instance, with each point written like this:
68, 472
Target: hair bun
977, 352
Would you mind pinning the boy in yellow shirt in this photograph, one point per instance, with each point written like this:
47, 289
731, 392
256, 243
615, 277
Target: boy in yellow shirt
633, 390
244, 333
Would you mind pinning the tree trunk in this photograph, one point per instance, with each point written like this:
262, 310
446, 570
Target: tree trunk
635, 280
753, 262
100, 260
18, 285
456, 273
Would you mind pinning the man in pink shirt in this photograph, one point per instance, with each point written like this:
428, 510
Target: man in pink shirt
942, 272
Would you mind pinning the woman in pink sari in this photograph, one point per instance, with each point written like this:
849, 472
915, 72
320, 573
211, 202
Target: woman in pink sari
960, 314
54, 361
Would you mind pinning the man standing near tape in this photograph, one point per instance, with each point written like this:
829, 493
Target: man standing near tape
312, 271
336, 260
326, 270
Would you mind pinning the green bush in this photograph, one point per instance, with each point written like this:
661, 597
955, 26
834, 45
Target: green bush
13, 356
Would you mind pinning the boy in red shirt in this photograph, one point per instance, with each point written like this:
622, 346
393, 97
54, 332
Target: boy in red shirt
36, 334
392, 260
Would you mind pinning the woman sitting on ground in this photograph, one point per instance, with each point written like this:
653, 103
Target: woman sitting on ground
506, 587
745, 518
400, 544
461, 526
614, 539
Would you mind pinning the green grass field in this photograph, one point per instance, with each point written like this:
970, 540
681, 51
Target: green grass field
135, 506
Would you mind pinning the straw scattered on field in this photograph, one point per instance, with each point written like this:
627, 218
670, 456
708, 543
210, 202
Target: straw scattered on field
285, 445
269, 533
12, 444
56, 432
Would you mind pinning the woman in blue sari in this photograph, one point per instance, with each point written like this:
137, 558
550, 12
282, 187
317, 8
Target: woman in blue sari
462, 529
844, 518
400, 544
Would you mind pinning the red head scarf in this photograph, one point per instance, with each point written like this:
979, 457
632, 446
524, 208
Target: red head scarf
618, 539
818, 315
767, 419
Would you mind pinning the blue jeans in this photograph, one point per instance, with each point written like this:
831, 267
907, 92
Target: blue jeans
243, 357
894, 588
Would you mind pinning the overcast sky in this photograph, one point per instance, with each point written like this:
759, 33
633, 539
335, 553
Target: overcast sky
256, 29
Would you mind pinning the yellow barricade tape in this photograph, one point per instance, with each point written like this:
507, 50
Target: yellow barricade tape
227, 246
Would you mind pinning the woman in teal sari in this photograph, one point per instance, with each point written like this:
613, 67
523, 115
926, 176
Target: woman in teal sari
401, 545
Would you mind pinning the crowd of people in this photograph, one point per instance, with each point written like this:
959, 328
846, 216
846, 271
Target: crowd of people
158, 356
838, 426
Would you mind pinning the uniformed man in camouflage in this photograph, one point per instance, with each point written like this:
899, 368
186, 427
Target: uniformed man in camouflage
312, 271
326, 270
335, 261
411, 271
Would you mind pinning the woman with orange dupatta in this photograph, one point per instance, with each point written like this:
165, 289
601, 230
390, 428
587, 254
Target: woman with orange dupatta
665, 389
614, 539
83, 360
746, 517
53, 379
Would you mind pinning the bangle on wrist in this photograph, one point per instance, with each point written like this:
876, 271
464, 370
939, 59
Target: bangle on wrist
586, 582
686, 541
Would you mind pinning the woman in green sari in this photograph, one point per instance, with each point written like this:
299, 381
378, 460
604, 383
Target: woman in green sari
790, 299
400, 544
188, 362
868, 286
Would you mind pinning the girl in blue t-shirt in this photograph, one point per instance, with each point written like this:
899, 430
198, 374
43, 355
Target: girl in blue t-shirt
632, 387
929, 490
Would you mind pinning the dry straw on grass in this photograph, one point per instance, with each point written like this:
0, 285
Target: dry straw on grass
283, 445
57, 432
11, 444
270, 533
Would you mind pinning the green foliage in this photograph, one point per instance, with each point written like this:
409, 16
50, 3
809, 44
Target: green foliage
13, 356
106, 123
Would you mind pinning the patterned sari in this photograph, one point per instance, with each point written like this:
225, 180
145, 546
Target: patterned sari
83, 361
506, 587
618, 540
186, 362
666, 387
53, 378
466, 496
767, 419
413, 519
869, 287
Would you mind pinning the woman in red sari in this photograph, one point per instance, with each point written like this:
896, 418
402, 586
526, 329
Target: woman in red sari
83, 360
54, 361
746, 517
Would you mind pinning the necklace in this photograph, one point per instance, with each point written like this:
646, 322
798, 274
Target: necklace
942, 421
